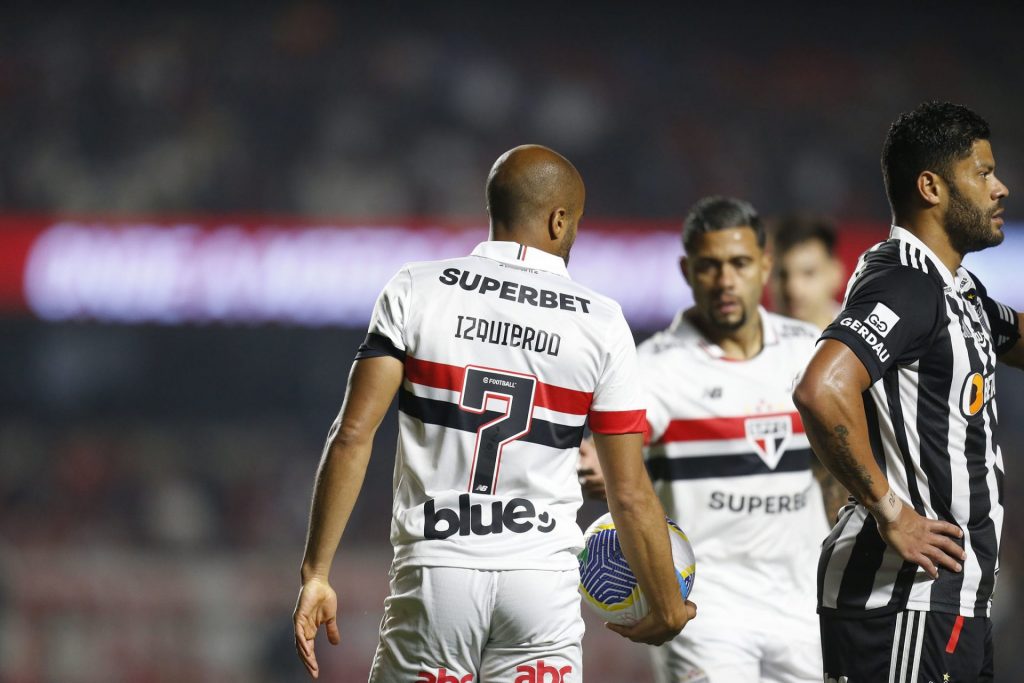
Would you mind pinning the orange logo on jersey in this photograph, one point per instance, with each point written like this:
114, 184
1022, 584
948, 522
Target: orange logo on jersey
978, 390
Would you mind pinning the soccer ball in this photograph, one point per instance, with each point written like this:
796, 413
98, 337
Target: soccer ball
607, 583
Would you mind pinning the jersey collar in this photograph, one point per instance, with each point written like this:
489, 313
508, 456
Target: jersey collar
522, 256
898, 233
769, 335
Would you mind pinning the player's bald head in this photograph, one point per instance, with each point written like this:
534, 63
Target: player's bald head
526, 185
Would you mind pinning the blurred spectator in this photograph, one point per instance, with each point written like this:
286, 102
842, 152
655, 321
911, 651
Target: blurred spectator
325, 109
806, 275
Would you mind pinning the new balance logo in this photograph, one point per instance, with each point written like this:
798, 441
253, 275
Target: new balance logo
517, 515
543, 673
443, 676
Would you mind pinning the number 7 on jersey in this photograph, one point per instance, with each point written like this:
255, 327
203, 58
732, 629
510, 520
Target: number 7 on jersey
482, 389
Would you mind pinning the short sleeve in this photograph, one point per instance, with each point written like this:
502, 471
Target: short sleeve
1002, 320
617, 406
658, 415
386, 336
889, 318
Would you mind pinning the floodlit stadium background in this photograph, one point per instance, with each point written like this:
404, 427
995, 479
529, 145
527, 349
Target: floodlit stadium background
198, 207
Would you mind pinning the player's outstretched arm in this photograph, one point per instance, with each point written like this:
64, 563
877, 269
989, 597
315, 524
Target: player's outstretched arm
643, 534
829, 398
371, 386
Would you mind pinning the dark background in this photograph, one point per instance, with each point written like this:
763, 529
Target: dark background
154, 480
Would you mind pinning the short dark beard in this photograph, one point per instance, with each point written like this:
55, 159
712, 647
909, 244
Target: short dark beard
724, 326
968, 227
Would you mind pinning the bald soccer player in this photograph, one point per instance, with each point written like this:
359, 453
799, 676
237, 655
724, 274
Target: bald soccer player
498, 358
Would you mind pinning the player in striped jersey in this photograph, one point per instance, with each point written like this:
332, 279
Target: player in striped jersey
498, 359
731, 463
899, 403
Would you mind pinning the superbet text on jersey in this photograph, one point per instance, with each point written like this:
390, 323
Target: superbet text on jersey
505, 360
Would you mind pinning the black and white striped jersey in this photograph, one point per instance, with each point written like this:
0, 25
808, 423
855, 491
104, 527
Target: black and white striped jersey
929, 339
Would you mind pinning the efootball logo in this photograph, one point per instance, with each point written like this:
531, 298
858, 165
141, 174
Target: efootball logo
882, 319
769, 436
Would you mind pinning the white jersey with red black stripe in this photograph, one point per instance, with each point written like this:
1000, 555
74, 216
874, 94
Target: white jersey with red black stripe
731, 464
505, 358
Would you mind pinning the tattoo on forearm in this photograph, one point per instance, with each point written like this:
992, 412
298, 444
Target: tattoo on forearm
848, 469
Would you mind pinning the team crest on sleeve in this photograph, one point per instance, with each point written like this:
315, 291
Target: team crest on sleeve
769, 436
882, 319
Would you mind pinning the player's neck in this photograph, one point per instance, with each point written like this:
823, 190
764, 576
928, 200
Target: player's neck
934, 235
526, 238
742, 343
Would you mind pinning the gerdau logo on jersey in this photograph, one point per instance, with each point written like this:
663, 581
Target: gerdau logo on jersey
516, 515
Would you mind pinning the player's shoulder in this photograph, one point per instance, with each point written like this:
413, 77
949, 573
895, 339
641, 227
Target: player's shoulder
679, 336
901, 266
791, 330
467, 271
426, 268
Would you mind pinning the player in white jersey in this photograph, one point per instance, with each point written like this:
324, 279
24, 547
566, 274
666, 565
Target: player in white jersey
731, 463
499, 359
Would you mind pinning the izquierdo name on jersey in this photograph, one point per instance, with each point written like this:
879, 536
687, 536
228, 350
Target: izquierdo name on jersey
505, 333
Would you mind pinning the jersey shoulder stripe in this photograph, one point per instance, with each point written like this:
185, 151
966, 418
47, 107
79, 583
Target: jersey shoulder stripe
716, 428
452, 416
734, 465
618, 421
452, 377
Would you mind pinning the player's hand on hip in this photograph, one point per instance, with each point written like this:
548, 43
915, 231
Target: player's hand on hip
928, 543
317, 604
588, 470
654, 630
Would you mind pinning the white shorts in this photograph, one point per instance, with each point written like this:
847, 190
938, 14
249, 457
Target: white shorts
456, 625
722, 652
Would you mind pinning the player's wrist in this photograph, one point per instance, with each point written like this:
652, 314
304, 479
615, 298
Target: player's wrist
673, 618
886, 509
312, 573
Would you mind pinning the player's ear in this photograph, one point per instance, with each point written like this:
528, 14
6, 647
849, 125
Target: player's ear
931, 187
558, 223
684, 268
766, 267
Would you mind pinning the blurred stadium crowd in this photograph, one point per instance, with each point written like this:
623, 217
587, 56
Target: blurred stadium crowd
154, 481
362, 109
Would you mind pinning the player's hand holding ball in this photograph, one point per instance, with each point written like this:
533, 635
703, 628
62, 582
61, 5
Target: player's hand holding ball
610, 587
